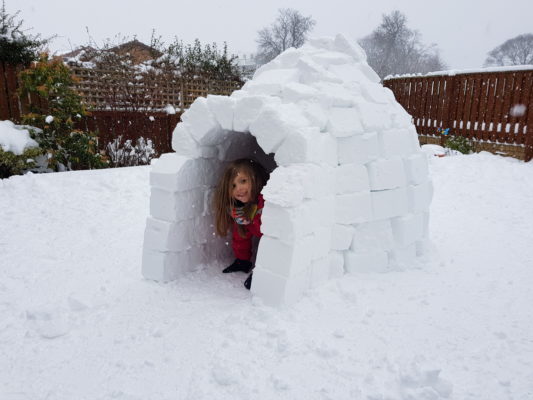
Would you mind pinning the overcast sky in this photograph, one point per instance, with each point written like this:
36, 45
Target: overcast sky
464, 30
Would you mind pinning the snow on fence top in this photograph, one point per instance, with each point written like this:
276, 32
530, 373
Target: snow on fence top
453, 72
349, 189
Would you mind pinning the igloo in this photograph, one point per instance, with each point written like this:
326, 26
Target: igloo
349, 189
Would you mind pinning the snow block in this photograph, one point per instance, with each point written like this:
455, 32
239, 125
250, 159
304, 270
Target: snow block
327, 59
294, 92
272, 82
202, 123
315, 114
273, 124
353, 208
288, 224
395, 142
177, 236
334, 95
375, 93
173, 172
319, 272
386, 173
358, 149
336, 264
166, 266
276, 290
350, 47
403, 257
367, 261
419, 197
248, 108
176, 206
350, 178
416, 168
374, 117
285, 259
322, 246
408, 229
313, 72
375, 235
341, 236
222, 109
307, 145
344, 122
389, 203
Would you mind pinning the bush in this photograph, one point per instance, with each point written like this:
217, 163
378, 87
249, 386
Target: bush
13, 164
127, 155
56, 116
460, 144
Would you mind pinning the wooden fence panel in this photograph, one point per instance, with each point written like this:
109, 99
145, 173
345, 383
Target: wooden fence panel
480, 106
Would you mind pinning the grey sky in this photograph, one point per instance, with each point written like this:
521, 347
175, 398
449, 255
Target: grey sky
464, 30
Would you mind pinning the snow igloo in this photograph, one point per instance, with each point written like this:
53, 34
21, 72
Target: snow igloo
349, 189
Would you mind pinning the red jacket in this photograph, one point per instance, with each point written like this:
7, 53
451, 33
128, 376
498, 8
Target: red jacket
242, 246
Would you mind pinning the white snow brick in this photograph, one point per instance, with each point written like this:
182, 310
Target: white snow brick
294, 92
176, 236
289, 223
166, 266
248, 108
389, 203
350, 47
275, 290
272, 65
358, 149
395, 142
375, 93
285, 259
314, 72
408, 229
351, 178
334, 94
419, 196
353, 208
403, 257
326, 59
376, 235
369, 72
366, 261
319, 272
373, 117
351, 76
307, 145
386, 173
273, 124
289, 58
184, 144
400, 117
423, 247
174, 172
416, 168
315, 114
343, 122
202, 123
222, 109
322, 246
175, 206
341, 236
336, 264
271, 82
425, 225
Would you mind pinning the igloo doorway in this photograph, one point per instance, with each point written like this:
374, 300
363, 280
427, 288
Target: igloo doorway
351, 191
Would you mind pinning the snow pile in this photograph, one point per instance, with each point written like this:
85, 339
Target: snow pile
14, 138
350, 192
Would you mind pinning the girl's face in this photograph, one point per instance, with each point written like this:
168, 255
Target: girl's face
241, 188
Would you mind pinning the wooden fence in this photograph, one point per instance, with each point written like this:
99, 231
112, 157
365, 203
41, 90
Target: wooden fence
10, 105
488, 107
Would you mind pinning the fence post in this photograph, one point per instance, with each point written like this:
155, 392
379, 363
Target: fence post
529, 133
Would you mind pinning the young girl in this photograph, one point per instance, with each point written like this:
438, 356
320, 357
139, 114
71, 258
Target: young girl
238, 203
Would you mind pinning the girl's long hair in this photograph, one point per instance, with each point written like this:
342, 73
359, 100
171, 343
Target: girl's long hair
223, 202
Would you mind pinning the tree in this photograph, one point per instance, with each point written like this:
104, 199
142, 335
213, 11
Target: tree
16, 47
289, 30
515, 51
393, 48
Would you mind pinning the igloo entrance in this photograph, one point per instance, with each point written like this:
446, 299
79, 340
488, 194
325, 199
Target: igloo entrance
351, 190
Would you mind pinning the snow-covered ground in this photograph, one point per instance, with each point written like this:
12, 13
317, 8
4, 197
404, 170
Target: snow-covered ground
77, 321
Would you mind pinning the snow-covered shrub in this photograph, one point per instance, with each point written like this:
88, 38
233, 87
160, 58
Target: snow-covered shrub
66, 147
18, 151
127, 155
460, 144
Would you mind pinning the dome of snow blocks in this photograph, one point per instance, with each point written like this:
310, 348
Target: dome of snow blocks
349, 189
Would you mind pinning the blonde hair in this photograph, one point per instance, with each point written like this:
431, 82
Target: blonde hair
223, 201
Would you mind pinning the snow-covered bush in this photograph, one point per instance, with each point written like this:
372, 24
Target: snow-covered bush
56, 116
460, 144
18, 151
127, 155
